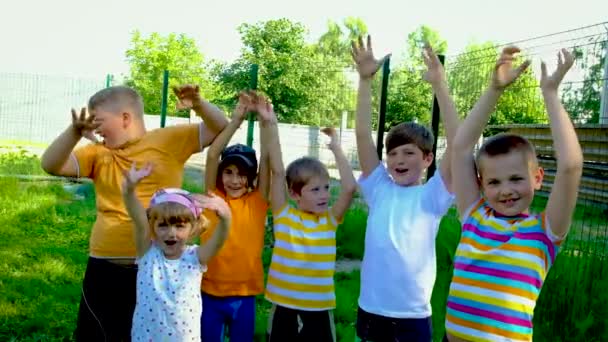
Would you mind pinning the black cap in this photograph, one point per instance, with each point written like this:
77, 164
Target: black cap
240, 154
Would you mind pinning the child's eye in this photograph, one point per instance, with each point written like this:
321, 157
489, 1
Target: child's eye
493, 182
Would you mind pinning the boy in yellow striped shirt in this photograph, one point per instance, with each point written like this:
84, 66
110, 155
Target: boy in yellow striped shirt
301, 276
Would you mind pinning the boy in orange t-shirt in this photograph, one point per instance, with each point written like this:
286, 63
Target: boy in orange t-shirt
235, 275
116, 114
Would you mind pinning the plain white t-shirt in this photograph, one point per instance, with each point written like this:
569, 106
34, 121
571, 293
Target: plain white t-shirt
399, 264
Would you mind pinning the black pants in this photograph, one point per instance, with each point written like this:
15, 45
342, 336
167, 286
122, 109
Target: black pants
375, 328
107, 302
290, 325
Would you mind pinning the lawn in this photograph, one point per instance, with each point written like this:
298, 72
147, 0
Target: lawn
44, 249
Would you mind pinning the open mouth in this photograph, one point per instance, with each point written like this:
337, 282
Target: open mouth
401, 171
509, 202
322, 204
170, 242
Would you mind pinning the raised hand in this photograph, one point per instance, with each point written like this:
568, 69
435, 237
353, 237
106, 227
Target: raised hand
551, 82
214, 203
84, 125
265, 109
246, 104
504, 72
133, 176
367, 65
435, 73
188, 96
333, 136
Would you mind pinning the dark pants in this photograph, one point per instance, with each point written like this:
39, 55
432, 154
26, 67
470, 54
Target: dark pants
290, 325
235, 314
375, 328
107, 302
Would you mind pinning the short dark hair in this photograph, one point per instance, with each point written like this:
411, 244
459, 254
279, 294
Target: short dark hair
118, 97
410, 133
300, 171
504, 143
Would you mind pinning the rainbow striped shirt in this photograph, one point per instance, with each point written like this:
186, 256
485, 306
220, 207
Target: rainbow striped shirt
499, 269
301, 274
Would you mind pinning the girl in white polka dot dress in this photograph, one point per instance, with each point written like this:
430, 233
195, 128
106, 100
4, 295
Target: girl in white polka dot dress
169, 272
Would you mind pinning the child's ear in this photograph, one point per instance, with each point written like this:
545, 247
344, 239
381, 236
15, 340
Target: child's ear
126, 119
293, 195
428, 159
539, 174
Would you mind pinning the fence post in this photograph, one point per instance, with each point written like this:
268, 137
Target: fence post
603, 115
435, 127
109, 79
253, 84
386, 70
163, 105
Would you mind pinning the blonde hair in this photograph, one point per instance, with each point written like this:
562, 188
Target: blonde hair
300, 171
118, 98
172, 212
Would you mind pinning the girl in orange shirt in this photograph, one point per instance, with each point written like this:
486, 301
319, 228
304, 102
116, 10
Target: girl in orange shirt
235, 276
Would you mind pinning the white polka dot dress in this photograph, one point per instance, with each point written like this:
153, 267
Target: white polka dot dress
169, 304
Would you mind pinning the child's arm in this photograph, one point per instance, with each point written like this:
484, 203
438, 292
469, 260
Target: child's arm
220, 233
348, 184
277, 170
215, 120
56, 158
562, 200
466, 187
367, 66
264, 169
141, 225
220, 142
435, 75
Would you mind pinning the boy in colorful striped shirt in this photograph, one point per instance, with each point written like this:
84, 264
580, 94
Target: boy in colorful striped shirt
505, 252
301, 276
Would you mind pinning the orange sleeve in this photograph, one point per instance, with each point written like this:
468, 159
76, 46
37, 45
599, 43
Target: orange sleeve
86, 157
182, 141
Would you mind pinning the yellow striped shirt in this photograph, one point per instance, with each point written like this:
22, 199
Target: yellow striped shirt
301, 274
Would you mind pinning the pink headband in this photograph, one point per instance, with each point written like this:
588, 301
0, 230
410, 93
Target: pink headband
174, 195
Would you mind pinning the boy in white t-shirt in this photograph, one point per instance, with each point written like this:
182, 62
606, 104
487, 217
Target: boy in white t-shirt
399, 264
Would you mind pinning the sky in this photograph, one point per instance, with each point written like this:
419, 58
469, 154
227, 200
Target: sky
84, 38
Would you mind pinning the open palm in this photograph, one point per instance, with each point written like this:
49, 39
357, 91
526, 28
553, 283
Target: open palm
367, 65
133, 176
504, 72
563, 65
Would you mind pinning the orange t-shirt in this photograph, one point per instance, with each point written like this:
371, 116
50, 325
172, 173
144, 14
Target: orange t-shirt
237, 268
167, 149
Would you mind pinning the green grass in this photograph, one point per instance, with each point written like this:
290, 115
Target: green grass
45, 241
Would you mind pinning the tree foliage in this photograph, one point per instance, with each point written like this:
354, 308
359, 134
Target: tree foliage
148, 57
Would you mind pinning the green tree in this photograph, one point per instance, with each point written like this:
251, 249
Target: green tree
148, 57
469, 74
409, 96
337, 40
583, 101
300, 81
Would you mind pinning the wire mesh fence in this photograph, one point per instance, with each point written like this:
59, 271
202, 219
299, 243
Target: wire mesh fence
35, 108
